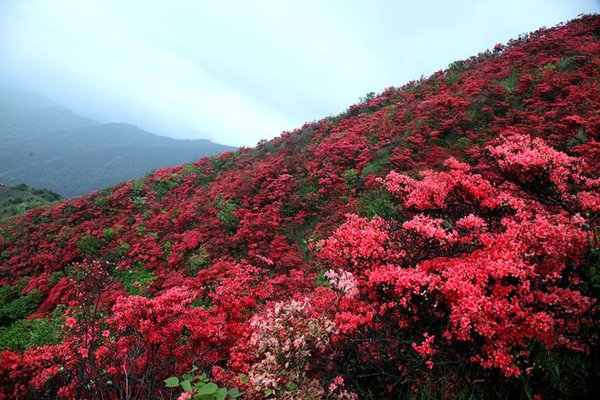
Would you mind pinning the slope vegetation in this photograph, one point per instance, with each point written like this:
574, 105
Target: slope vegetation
18, 199
439, 240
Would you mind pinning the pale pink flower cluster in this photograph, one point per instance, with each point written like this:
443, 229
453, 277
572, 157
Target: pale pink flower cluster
264, 259
343, 281
431, 228
284, 340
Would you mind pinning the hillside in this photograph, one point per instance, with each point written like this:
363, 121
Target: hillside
45, 145
17, 199
438, 240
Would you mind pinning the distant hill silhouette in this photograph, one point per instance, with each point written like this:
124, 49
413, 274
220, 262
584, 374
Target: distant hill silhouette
45, 145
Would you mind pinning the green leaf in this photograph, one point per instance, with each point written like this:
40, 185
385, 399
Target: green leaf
172, 382
221, 394
243, 378
186, 386
268, 392
234, 393
209, 388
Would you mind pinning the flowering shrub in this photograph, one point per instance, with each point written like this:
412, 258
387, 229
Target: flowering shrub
288, 341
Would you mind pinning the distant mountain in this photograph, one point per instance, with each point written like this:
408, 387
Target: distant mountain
45, 145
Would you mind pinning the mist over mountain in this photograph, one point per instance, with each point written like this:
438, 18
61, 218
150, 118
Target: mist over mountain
46, 145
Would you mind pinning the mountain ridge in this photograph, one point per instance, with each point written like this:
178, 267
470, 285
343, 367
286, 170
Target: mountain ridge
36, 132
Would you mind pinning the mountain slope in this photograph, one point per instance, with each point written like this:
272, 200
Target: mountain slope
439, 240
16, 200
45, 145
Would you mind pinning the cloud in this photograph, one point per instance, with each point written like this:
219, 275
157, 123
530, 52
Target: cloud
242, 71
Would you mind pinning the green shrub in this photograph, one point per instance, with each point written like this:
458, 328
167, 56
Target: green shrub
322, 280
579, 139
198, 261
378, 203
225, 213
511, 83
137, 279
88, 244
565, 64
23, 334
138, 201
380, 161
163, 186
351, 177
15, 305
55, 277
109, 235
201, 387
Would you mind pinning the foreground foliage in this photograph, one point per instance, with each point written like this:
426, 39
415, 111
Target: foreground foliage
435, 241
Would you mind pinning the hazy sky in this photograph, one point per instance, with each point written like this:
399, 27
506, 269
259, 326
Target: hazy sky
239, 71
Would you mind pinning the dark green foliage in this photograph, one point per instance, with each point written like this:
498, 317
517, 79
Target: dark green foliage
55, 277
189, 169
378, 203
216, 164
511, 83
592, 272
202, 302
225, 213
197, 261
89, 244
565, 64
201, 387
454, 72
109, 234
23, 334
136, 279
163, 186
203, 179
101, 201
351, 177
15, 305
289, 209
579, 139
305, 189
463, 143
321, 280
18, 199
380, 162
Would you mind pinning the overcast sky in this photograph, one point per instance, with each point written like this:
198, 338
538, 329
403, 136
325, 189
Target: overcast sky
241, 71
